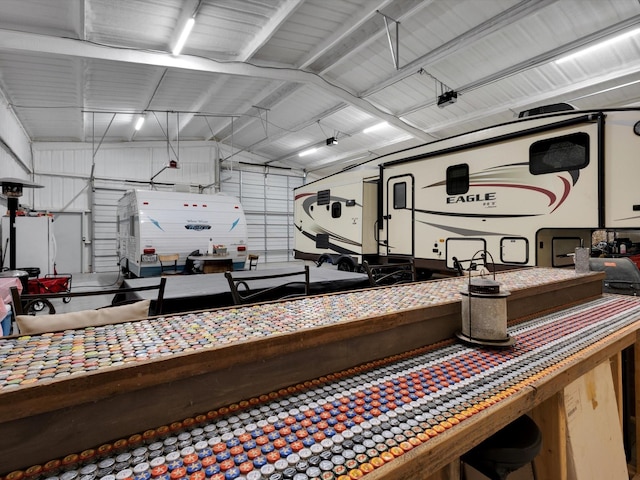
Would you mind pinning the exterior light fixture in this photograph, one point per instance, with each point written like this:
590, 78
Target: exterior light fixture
332, 141
447, 98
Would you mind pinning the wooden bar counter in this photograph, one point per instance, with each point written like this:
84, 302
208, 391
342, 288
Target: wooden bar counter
65, 392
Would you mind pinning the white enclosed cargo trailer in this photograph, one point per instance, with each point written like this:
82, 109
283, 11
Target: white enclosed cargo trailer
528, 192
152, 223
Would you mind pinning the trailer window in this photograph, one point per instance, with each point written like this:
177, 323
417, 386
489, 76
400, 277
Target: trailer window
400, 195
458, 179
336, 210
569, 152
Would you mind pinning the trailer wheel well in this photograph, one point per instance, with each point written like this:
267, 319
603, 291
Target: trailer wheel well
346, 264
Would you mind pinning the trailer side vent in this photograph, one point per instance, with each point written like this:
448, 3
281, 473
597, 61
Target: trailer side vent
324, 197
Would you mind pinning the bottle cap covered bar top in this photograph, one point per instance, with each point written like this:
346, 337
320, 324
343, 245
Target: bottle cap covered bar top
350, 423
28, 360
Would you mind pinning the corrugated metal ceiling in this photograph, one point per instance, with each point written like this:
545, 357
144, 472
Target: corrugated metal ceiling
276, 77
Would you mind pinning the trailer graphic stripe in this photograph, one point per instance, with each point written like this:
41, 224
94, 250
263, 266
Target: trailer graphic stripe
332, 246
156, 223
478, 215
552, 196
466, 232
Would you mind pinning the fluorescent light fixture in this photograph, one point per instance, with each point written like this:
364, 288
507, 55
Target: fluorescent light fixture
139, 123
307, 152
183, 36
375, 127
599, 92
600, 45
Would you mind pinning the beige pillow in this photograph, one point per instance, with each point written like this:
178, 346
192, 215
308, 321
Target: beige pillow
29, 324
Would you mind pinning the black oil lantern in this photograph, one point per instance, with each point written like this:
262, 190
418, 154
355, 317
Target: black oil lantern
484, 312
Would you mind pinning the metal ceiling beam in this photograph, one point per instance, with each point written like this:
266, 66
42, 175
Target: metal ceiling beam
281, 93
283, 13
509, 16
542, 98
247, 52
13, 138
535, 61
35, 43
346, 30
368, 33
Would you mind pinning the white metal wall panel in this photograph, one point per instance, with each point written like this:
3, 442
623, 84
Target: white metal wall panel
105, 200
267, 200
64, 171
256, 233
230, 182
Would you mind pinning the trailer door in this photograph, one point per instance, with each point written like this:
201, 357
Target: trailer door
399, 215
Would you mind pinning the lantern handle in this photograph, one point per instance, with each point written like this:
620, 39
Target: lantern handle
483, 255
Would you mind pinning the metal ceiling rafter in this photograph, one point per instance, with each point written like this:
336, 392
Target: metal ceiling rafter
410, 8
189, 10
284, 133
283, 13
535, 61
345, 31
369, 11
157, 80
541, 98
275, 21
271, 97
513, 14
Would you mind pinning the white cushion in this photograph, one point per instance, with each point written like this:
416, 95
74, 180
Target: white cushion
29, 324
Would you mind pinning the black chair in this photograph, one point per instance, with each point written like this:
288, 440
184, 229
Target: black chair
23, 304
507, 450
243, 294
253, 261
390, 273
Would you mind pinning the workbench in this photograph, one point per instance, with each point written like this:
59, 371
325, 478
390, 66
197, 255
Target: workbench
262, 364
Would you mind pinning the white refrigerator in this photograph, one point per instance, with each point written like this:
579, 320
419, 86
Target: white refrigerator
35, 243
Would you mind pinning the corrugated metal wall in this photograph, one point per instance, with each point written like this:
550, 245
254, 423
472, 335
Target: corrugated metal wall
267, 199
65, 171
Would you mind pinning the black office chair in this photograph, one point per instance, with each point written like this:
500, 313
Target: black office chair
507, 450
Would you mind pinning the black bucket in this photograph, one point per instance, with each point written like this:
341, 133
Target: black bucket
34, 272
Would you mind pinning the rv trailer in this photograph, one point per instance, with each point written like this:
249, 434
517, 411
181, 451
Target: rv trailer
528, 192
154, 222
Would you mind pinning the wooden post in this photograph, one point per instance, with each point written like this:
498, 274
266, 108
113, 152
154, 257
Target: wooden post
551, 463
636, 376
616, 374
